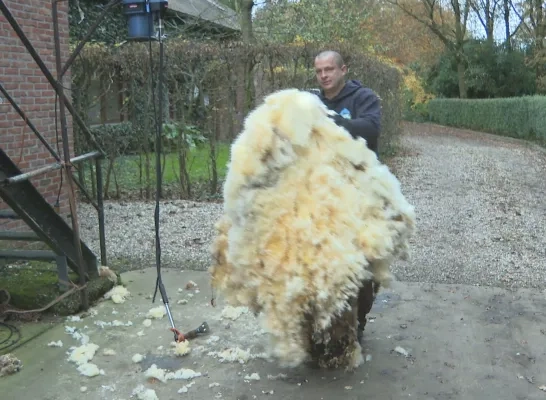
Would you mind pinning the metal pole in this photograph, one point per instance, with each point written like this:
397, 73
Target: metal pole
64, 100
52, 167
86, 156
66, 150
100, 211
30, 124
8, 214
27, 175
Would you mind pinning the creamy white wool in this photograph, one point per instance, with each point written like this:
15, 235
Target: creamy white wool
309, 213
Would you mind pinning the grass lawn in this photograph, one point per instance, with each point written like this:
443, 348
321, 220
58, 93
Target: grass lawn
130, 170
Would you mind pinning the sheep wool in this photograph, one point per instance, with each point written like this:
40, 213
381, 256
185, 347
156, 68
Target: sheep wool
310, 214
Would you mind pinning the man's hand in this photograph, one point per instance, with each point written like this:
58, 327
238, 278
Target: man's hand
340, 121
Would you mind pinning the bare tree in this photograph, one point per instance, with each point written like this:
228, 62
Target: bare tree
487, 12
448, 21
533, 18
491, 11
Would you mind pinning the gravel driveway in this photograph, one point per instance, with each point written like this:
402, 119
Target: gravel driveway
480, 201
481, 206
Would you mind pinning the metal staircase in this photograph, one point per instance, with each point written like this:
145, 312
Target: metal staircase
26, 202
46, 224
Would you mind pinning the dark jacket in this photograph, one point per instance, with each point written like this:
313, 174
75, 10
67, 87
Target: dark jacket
359, 110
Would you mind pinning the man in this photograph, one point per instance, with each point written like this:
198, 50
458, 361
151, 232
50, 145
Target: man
358, 108
359, 112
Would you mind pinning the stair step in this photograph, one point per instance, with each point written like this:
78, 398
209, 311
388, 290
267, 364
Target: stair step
26, 236
24, 199
37, 255
8, 214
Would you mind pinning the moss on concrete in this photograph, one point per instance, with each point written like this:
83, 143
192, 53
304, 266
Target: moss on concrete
32, 285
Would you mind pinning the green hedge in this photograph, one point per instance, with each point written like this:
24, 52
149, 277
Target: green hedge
519, 117
115, 138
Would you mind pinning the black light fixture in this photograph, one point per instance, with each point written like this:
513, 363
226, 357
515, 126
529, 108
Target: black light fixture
142, 16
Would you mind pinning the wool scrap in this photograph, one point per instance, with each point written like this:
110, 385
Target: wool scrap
117, 294
309, 215
9, 364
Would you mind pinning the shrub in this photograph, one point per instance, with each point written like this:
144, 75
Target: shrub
519, 117
115, 138
416, 98
211, 86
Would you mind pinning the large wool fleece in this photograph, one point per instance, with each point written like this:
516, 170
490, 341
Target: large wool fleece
309, 215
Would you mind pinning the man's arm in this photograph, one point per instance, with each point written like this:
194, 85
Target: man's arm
367, 121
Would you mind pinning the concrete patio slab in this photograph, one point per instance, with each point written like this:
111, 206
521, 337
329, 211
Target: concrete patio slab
424, 341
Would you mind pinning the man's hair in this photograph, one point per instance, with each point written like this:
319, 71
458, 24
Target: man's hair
330, 53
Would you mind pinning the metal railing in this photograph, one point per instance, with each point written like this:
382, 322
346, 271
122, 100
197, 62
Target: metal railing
67, 162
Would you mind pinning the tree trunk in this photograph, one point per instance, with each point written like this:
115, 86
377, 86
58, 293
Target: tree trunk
488, 19
461, 68
538, 25
507, 33
460, 30
490, 31
244, 7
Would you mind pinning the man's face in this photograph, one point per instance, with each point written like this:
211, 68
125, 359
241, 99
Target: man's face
329, 74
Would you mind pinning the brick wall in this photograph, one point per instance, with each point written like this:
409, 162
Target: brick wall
25, 82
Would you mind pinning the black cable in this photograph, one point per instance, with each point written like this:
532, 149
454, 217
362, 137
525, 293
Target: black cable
57, 202
159, 125
13, 330
157, 166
